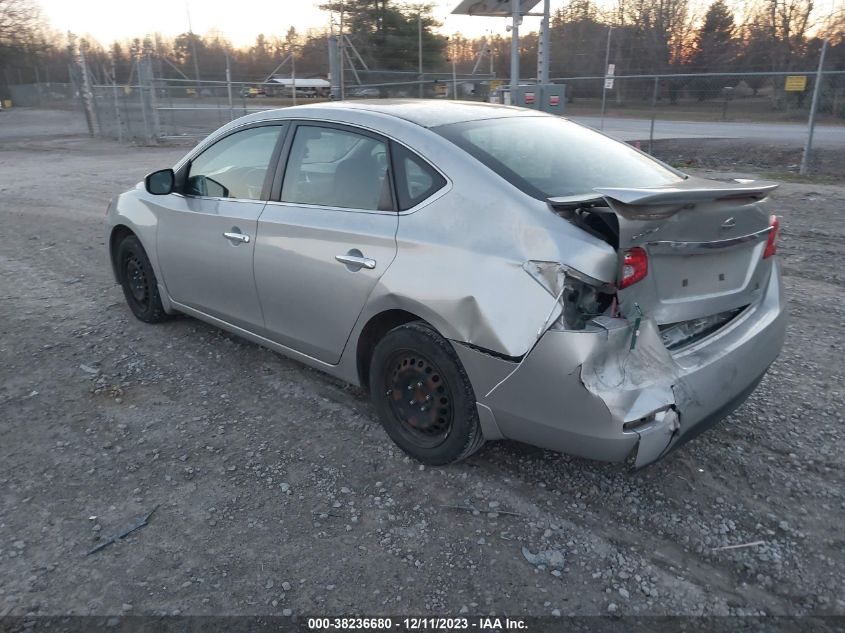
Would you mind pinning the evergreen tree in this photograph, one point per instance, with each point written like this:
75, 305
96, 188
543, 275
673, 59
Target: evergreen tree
715, 47
386, 34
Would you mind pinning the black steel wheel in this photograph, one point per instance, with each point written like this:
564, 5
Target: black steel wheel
138, 280
420, 400
423, 396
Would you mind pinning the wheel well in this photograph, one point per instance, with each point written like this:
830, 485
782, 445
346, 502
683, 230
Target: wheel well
118, 234
372, 333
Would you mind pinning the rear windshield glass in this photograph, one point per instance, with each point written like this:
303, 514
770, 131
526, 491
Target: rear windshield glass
548, 157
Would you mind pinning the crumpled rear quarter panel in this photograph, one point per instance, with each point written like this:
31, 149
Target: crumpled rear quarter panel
576, 390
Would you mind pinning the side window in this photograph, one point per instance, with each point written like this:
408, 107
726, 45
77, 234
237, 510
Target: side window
337, 168
416, 180
235, 166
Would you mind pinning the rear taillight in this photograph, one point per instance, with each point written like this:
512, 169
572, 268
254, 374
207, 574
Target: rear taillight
771, 243
634, 267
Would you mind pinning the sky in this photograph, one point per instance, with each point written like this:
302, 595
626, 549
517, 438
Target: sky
240, 21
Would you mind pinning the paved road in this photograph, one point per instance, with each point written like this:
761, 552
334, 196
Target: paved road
790, 134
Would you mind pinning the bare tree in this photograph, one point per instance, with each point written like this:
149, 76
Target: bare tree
663, 28
788, 22
833, 26
19, 22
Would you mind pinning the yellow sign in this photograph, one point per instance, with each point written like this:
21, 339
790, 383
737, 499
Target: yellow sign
796, 83
495, 84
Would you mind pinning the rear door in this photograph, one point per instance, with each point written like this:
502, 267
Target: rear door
327, 238
206, 234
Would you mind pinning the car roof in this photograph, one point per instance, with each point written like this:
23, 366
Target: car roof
424, 112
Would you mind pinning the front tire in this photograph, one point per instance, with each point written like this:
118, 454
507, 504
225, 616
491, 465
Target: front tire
423, 395
138, 280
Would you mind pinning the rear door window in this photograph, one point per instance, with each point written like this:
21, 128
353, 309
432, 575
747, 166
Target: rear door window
416, 180
335, 167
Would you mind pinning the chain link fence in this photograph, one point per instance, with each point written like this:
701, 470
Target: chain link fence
770, 98
757, 97
174, 109
156, 110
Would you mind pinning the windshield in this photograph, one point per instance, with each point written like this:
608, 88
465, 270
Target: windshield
548, 157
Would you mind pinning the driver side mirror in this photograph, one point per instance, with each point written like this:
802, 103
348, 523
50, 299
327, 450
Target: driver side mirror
160, 183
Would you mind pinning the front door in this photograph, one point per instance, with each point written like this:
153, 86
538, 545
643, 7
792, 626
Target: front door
323, 247
206, 235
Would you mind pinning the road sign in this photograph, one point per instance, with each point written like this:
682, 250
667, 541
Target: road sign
796, 83
529, 98
608, 79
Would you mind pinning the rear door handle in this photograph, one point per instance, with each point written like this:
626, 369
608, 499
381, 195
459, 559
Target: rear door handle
236, 237
357, 261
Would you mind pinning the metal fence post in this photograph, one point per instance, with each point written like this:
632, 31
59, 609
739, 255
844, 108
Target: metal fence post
653, 115
126, 116
604, 85
153, 101
419, 50
143, 101
87, 93
172, 109
293, 74
118, 123
808, 147
229, 88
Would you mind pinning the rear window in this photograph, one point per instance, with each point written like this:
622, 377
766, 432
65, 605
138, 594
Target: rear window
548, 157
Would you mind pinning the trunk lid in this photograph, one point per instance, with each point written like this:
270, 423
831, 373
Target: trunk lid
704, 240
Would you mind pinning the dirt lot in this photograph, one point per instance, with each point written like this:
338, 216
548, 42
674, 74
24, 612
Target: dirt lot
278, 492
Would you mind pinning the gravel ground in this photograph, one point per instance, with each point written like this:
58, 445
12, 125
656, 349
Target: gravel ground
736, 154
278, 492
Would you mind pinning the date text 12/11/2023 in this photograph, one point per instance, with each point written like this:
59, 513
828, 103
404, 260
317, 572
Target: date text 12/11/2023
482, 623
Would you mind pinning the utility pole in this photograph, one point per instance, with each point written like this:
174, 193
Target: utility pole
419, 47
606, 64
517, 18
808, 147
193, 49
334, 66
543, 53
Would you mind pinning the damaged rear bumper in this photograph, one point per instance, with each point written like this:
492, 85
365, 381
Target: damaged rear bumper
589, 394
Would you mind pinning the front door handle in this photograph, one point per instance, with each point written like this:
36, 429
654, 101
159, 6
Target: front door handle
236, 237
356, 261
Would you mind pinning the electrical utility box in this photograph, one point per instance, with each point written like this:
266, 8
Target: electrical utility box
549, 98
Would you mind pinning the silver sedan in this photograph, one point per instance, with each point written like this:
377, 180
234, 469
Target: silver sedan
485, 272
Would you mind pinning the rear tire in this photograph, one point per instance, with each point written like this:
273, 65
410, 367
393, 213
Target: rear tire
138, 280
423, 395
